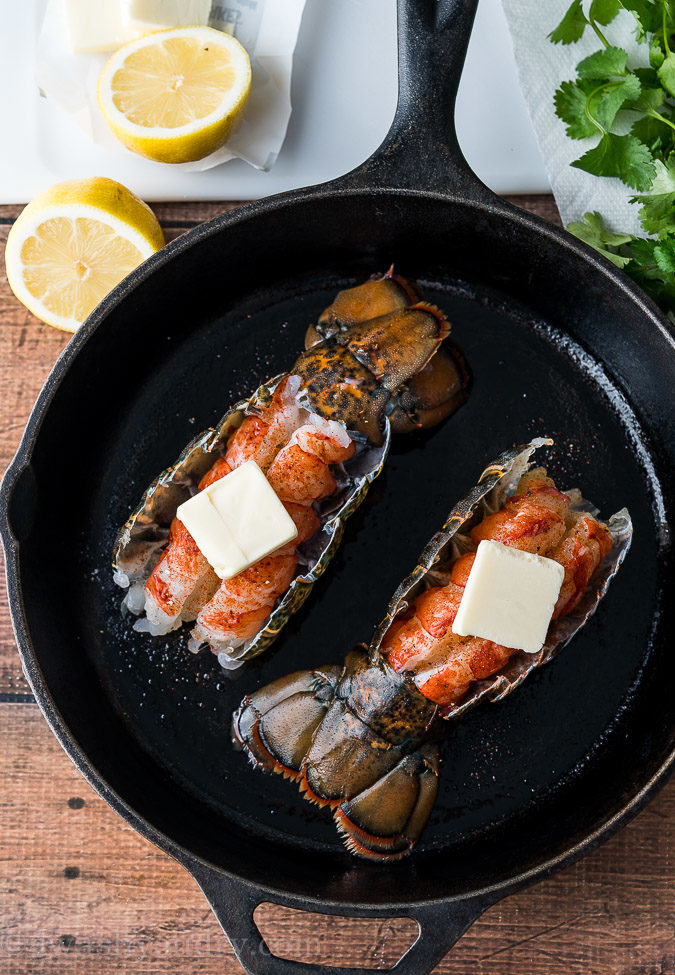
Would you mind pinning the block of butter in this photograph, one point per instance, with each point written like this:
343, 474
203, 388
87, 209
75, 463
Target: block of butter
97, 27
106, 25
509, 597
144, 16
237, 520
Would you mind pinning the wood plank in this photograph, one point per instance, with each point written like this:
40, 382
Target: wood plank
81, 892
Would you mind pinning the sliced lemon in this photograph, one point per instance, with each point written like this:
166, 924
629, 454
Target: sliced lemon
175, 95
73, 243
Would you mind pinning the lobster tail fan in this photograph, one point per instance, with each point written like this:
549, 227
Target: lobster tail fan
276, 724
384, 821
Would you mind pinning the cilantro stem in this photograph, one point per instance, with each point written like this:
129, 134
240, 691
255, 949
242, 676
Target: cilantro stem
587, 106
599, 32
665, 30
587, 110
661, 118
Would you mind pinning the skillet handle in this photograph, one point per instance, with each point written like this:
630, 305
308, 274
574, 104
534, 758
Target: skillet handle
421, 150
233, 903
18, 504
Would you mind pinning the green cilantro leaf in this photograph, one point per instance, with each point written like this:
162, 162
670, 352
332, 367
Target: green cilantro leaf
644, 159
622, 156
657, 214
657, 210
577, 103
572, 26
592, 231
614, 97
570, 106
642, 251
666, 74
603, 64
664, 254
648, 78
650, 98
656, 53
604, 11
652, 267
664, 181
654, 134
656, 257
647, 13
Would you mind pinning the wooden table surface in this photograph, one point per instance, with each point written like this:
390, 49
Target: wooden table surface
81, 892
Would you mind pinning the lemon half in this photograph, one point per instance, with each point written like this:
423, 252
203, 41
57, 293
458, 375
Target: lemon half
175, 95
73, 243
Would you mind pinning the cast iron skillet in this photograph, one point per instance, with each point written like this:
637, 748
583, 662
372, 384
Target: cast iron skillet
559, 343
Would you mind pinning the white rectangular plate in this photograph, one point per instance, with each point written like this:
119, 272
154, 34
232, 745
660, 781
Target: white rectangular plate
344, 96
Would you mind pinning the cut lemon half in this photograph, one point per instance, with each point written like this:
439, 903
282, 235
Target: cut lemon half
73, 243
175, 95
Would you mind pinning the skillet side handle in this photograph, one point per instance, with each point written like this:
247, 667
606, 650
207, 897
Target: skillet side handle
18, 504
233, 903
421, 150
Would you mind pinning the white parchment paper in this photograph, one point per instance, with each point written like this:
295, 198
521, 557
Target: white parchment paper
268, 29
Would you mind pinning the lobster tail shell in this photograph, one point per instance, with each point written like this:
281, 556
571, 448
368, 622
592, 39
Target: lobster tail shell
433, 393
355, 375
144, 534
361, 739
353, 739
495, 485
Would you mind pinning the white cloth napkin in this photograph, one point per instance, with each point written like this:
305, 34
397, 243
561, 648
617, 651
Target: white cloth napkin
542, 66
268, 29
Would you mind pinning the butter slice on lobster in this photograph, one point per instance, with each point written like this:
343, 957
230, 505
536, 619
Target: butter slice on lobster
237, 520
509, 597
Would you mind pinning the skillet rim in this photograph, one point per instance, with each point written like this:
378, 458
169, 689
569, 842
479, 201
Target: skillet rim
524, 222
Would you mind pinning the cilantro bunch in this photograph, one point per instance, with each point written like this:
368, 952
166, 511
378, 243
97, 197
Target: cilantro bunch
632, 112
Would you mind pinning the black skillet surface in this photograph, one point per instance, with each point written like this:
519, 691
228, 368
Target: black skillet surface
559, 343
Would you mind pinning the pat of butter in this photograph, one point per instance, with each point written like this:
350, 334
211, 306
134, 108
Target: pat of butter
148, 15
95, 27
237, 520
509, 597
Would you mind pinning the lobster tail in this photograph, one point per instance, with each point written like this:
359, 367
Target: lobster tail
353, 739
378, 350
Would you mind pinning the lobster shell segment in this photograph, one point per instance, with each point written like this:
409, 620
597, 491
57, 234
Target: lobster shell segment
497, 482
277, 723
145, 533
385, 820
361, 739
397, 346
380, 295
